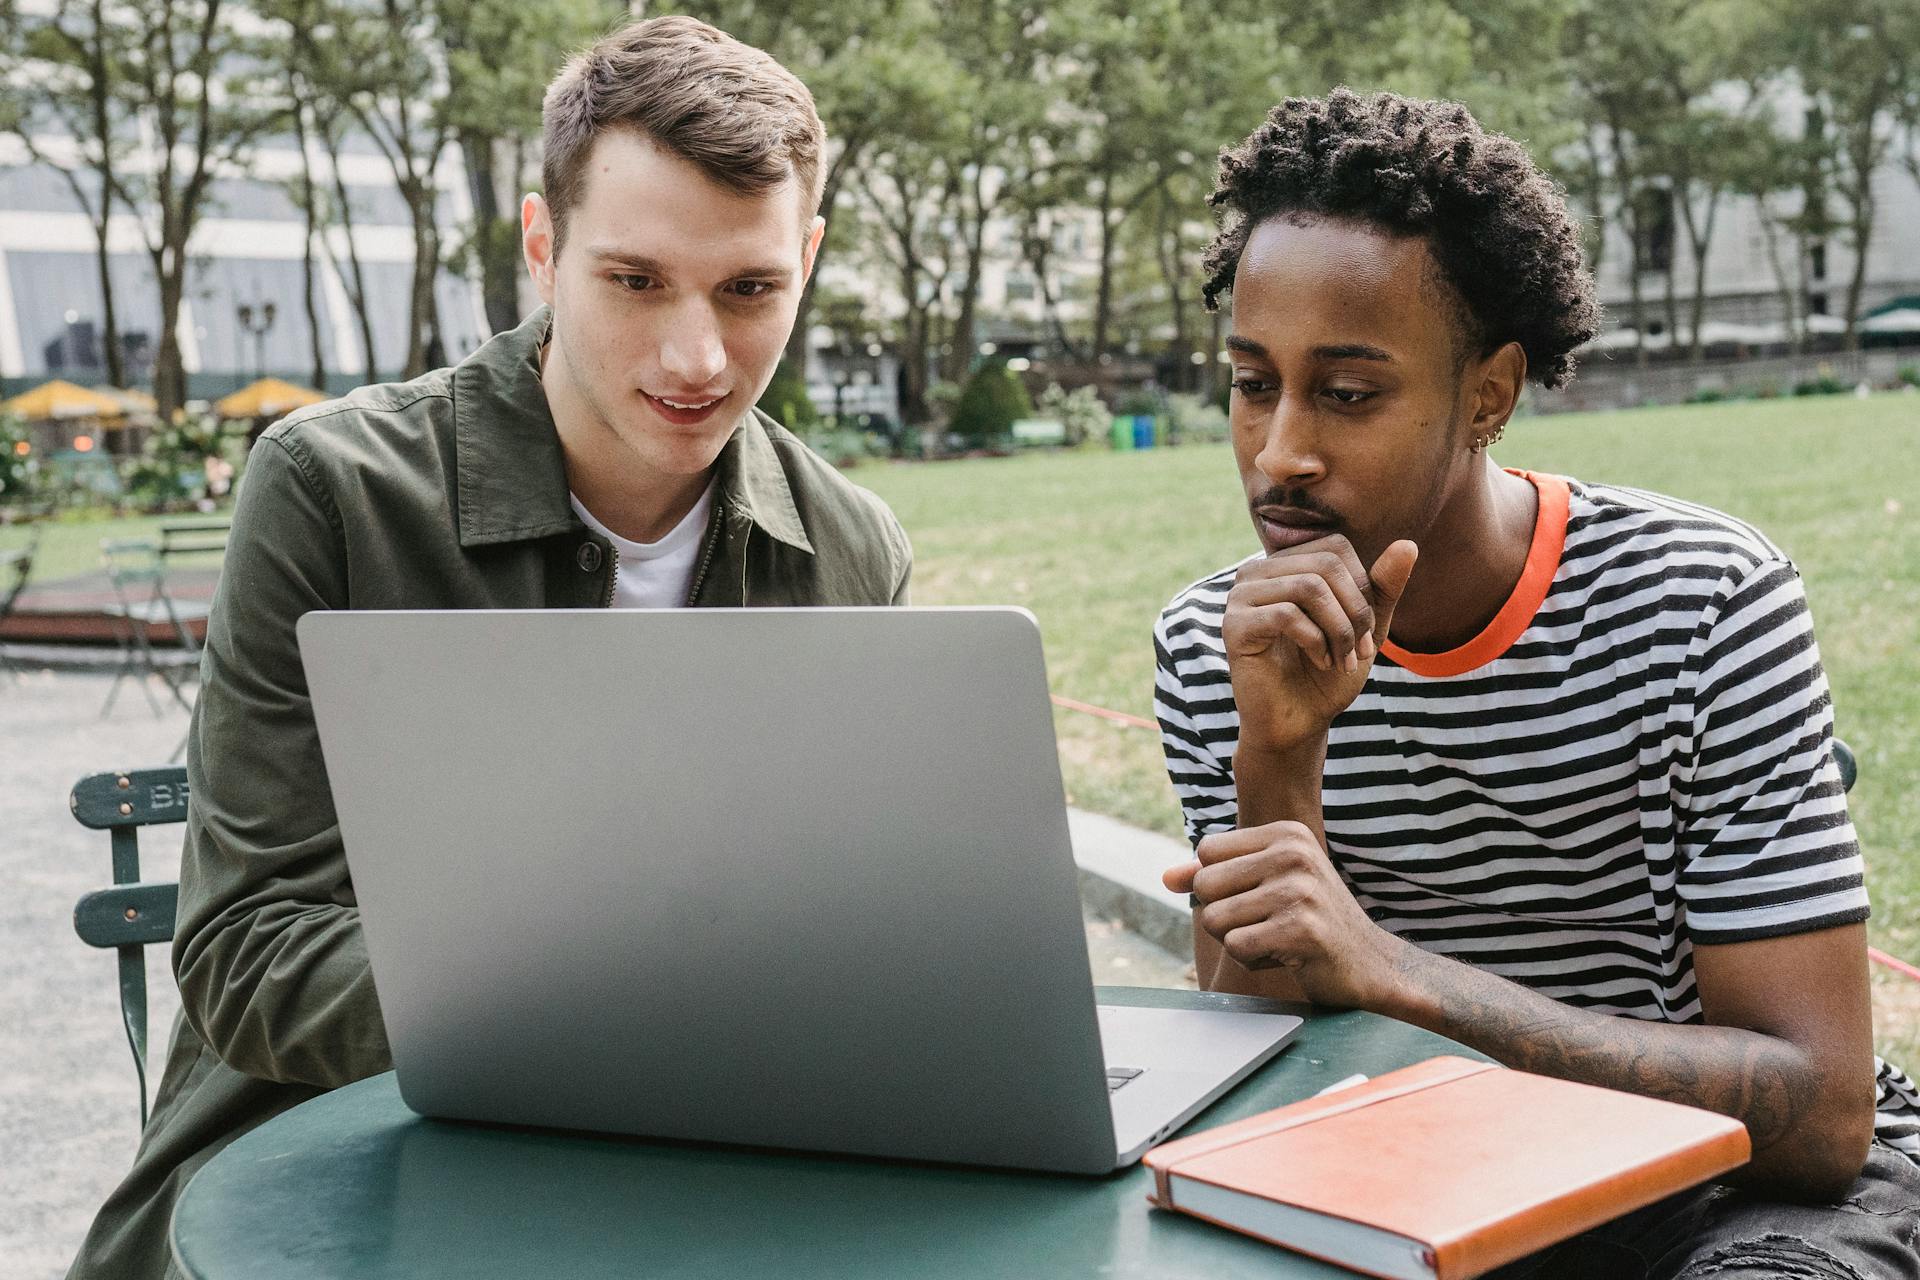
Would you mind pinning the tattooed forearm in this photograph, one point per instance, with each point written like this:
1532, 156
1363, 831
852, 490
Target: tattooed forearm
1769, 1084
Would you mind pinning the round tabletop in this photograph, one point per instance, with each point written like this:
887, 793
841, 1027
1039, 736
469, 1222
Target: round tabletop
353, 1184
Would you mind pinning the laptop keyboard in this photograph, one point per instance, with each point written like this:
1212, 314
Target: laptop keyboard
1117, 1076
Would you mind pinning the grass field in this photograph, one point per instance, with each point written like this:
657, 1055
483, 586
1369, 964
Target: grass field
72, 546
1095, 543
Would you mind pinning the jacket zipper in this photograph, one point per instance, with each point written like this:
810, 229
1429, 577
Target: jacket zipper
613, 579
706, 559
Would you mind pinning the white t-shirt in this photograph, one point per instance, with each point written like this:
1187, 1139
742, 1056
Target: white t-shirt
655, 575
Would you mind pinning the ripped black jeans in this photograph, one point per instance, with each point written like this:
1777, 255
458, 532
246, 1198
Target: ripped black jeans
1718, 1233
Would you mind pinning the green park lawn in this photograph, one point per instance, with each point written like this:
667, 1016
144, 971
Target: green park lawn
1094, 543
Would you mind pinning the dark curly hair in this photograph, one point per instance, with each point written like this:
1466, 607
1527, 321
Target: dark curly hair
1497, 227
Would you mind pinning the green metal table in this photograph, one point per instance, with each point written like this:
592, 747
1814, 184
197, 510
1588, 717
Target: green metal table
353, 1184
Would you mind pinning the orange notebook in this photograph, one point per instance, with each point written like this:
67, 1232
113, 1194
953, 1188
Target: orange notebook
1443, 1170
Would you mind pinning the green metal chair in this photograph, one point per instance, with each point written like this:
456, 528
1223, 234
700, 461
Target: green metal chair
137, 571
133, 913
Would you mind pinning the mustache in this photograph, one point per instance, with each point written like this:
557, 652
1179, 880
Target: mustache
1297, 499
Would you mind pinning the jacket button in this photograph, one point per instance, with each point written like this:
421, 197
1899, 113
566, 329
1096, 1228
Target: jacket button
589, 557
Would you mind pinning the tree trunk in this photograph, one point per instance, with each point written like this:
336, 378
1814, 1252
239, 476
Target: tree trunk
356, 286
1038, 253
1630, 217
1635, 296
913, 353
1597, 193
1860, 231
1169, 256
495, 237
309, 200
961, 357
1670, 301
1698, 243
110, 325
169, 373
101, 100
1770, 234
797, 351
1103, 303
421, 321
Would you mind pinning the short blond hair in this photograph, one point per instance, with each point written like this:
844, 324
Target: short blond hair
694, 90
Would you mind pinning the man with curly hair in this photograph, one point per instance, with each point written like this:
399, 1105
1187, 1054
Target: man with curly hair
1541, 765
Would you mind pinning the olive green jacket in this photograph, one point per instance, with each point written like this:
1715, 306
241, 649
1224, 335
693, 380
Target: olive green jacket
448, 492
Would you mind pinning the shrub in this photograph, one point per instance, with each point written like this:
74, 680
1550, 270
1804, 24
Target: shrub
1909, 374
1138, 402
1195, 420
173, 467
993, 399
1708, 395
1081, 411
18, 470
786, 401
844, 446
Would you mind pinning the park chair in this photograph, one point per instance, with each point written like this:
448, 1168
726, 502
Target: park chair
193, 538
138, 573
16, 566
1844, 761
133, 913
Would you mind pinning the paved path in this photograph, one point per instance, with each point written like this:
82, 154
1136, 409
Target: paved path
68, 1119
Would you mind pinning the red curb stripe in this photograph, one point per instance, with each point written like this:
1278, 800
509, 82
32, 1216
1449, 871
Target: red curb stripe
1117, 717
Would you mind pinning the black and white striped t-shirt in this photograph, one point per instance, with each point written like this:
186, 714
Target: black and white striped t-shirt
1633, 758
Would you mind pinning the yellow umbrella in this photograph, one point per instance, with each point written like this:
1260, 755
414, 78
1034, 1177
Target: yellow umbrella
130, 400
58, 399
266, 398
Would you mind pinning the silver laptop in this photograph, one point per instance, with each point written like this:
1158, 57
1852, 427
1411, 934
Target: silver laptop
782, 877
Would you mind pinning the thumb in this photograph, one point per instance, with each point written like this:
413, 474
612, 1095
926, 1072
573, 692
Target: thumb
1389, 576
1180, 879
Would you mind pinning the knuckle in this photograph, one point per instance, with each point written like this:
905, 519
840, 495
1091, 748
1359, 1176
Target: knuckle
1242, 946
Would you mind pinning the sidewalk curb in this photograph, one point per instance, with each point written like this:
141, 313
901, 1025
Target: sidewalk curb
1120, 868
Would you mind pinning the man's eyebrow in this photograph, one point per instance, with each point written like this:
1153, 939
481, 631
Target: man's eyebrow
620, 257
1352, 351
1338, 351
608, 255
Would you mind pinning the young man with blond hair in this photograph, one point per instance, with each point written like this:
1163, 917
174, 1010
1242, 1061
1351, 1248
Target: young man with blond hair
1541, 765
606, 452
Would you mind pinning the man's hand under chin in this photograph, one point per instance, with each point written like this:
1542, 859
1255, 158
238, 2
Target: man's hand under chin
1303, 627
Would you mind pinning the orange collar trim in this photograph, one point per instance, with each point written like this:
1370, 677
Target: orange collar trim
1516, 615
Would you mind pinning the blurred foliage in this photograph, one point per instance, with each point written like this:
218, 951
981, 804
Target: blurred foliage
787, 402
1069, 142
992, 400
1081, 411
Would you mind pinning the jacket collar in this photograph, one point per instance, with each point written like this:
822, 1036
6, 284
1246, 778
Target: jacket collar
510, 480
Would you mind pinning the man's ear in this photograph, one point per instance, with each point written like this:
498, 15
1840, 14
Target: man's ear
1498, 381
536, 244
815, 233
